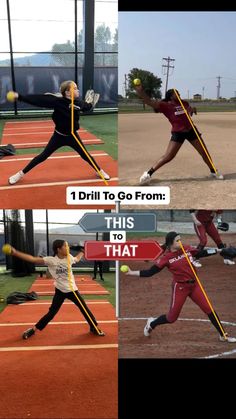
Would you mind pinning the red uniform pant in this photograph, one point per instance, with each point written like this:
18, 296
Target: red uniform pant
210, 229
180, 292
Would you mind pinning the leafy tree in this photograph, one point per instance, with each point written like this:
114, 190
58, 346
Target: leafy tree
151, 83
68, 60
115, 41
104, 42
102, 39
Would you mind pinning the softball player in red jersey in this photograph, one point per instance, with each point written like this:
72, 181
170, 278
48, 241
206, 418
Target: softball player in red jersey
181, 130
203, 225
184, 284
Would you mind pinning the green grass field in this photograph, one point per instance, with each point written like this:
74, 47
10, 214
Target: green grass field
103, 126
9, 284
200, 108
135, 235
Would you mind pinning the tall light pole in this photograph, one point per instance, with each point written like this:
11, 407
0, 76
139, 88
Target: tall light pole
166, 66
218, 87
125, 85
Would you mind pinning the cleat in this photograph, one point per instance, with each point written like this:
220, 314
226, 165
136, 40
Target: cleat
28, 333
217, 176
145, 178
97, 332
229, 262
227, 338
147, 329
15, 178
104, 174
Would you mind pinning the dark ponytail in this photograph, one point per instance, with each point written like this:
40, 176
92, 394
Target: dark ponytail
170, 238
168, 95
57, 244
164, 247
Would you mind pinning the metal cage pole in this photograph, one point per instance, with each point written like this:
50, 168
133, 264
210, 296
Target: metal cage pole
76, 43
88, 67
47, 233
13, 80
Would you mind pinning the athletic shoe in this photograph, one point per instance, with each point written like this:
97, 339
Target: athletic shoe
197, 264
28, 333
229, 262
104, 174
15, 178
97, 332
147, 329
217, 176
145, 178
227, 338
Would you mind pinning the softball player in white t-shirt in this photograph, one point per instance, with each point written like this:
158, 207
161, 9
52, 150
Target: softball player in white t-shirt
58, 268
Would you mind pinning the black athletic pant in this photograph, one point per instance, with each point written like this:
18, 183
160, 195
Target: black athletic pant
57, 141
98, 265
58, 300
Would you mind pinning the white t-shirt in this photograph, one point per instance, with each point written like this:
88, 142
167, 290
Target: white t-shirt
58, 268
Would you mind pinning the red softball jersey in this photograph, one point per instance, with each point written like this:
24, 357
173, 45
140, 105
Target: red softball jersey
206, 216
176, 115
177, 263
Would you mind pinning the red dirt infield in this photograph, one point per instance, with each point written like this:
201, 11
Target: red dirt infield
45, 186
63, 371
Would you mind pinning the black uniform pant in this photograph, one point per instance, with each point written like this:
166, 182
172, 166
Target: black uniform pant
57, 141
58, 300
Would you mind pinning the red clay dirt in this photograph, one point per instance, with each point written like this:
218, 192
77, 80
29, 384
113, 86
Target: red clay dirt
60, 384
61, 372
31, 312
94, 289
47, 182
29, 134
46, 287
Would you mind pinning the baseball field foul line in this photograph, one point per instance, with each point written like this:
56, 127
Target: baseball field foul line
179, 319
71, 287
57, 348
198, 137
203, 291
73, 134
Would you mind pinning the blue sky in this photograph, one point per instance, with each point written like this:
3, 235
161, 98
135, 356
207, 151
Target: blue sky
202, 43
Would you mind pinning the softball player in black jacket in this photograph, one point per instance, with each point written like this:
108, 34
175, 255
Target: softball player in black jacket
62, 118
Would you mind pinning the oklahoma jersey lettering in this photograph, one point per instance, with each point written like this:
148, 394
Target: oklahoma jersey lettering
177, 263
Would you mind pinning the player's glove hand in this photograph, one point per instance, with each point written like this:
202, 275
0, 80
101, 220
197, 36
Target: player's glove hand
139, 88
95, 99
223, 226
89, 96
228, 252
77, 247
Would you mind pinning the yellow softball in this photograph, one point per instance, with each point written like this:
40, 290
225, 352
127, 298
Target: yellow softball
124, 268
6, 249
11, 96
137, 82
